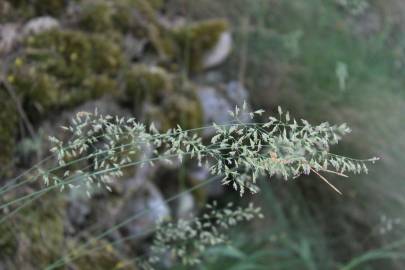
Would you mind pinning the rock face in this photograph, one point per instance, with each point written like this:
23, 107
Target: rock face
220, 52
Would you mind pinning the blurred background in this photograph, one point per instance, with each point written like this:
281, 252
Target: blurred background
187, 62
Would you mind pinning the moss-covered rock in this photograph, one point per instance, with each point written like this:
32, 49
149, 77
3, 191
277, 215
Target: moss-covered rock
32, 8
97, 85
155, 31
102, 16
65, 68
49, 7
155, 4
163, 43
106, 54
34, 237
8, 243
96, 16
194, 40
80, 54
39, 91
100, 255
138, 17
125, 21
182, 107
93, 87
182, 110
66, 54
147, 83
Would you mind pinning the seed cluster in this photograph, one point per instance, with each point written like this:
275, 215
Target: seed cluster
186, 240
240, 152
